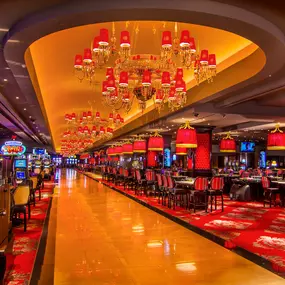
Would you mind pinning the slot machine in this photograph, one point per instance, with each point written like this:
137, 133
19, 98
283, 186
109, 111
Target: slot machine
46, 164
21, 173
38, 164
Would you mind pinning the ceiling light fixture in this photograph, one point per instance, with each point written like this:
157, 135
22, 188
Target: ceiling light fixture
17, 97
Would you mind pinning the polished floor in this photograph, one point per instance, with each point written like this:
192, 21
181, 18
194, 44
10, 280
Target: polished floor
102, 237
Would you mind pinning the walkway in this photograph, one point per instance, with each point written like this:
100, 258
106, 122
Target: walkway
102, 237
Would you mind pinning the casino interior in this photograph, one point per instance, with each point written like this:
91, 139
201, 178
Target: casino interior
144, 140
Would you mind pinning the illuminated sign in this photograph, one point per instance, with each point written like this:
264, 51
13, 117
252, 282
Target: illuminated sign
13, 148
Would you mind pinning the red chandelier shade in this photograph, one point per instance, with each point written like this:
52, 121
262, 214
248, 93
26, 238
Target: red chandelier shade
166, 39
102, 130
179, 73
118, 150
111, 116
96, 43
104, 37
109, 72
276, 140
94, 129
192, 45
124, 79
156, 143
127, 148
84, 115
181, 151
97, 115
125, 39
165, 79
104, 87
146, 79
228, 144
78, 61
111, 83
111, 151
186, 137
87, 58
180, 85
126, 97
139, 146
185, 38
171, 95
204, 58
212, 61
89, 114
158, 96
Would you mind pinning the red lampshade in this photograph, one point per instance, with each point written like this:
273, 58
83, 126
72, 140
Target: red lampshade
166, 39
146, 79
97, 115
185, 38
111, 83
118, 150
165, 79
111, 116
139, 146
96, 44
179, 73
102, 130
89, 114
104, 87
276, 140
192, 45
84, 115
127, 148
186, 137
109, 72
125, 39
123, 82
181, 151
122, 120
126, 97
94, 129
111, 151
179, 85
73, 116
85, 129
158, 96
87, 58
204, 58
118, 117
212, 61
78, 61
228, 144
104, 37
156, 142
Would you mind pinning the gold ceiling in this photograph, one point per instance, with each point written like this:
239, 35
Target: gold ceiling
51, 59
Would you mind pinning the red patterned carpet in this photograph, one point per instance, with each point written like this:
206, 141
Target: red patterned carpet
246, 225
21, 261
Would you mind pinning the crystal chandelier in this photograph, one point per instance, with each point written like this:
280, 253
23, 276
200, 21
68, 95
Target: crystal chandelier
148, 76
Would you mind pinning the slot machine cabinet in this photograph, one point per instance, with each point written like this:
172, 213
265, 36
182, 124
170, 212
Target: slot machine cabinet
21, 172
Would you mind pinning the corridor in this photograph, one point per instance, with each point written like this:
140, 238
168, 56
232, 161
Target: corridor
102, 237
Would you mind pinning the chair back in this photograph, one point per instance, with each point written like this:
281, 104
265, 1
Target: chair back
170, 182
126, 173
175, 173
279, 172
103, 169
259, 172
245, 174
164, 180
114, 170
217, 183
241, 172
159, 179
150, 175
34, 181
265, 182
138, 175
201, 183
121, 171
21, 195
268, 172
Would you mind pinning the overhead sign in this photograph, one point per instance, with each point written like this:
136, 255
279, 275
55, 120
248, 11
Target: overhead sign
11, 148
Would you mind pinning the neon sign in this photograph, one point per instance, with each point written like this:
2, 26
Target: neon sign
13, 148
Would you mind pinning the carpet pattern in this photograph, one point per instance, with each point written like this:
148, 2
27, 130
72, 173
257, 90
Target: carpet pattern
246, 225
20, 261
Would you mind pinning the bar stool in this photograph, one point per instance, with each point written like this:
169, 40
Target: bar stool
268, 192
165, 190
141, 183
199, 193
216, 190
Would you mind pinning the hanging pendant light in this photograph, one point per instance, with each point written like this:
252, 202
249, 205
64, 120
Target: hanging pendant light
228, 144
186, 136
127, 148
156, 142
139, 146
118, 150
181, 151
276, 139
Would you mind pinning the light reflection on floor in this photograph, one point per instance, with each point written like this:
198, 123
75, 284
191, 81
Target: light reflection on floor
104, 237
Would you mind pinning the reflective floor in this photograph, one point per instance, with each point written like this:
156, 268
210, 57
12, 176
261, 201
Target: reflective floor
102, 237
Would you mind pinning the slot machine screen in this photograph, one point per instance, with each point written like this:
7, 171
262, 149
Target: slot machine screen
20, 163
20, 175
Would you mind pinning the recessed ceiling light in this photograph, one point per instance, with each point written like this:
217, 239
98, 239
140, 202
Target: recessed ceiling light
34, 122
5, 79
30, 117
182, 118
208, 124
17, 97
25, 109
4, 30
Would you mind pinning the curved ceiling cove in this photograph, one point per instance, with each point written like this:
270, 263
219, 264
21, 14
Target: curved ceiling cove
61, 92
